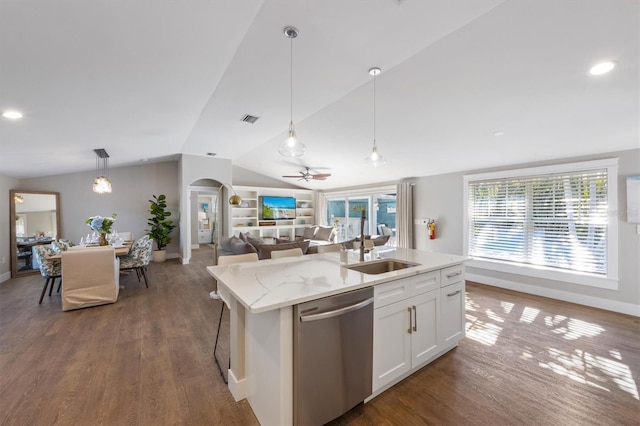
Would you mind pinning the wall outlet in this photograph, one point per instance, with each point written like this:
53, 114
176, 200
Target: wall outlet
4, 260
637, 232
421, 221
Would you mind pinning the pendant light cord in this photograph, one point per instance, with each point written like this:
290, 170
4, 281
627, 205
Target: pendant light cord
374, 110
291, 80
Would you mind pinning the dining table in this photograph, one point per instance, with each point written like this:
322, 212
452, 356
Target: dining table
120, 250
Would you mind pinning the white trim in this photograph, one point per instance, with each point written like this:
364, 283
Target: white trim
546, 273
5, 277
238, 388
580, 299
195, 246
544, 170
608, 282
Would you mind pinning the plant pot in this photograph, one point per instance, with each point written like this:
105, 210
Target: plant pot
159, 256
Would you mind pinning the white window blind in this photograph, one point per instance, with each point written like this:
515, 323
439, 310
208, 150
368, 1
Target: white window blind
551, 220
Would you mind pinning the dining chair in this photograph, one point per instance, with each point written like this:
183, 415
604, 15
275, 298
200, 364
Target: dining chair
294, 252
89, 277
125, 235
50, 270
138, 258
329, 248
224, 296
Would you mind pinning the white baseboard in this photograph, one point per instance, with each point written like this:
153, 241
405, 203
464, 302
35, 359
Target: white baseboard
566, 296
5, 277
238, 388
195, 246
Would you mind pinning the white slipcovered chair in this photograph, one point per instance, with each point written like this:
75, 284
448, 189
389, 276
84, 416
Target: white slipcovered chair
368, 244
125, 235
90, 277
294, 252
329, 248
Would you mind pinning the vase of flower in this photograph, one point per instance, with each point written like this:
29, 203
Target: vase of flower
101, 225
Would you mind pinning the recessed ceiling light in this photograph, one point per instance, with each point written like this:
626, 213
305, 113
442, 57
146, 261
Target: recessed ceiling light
498, 133
12, 115
602, 68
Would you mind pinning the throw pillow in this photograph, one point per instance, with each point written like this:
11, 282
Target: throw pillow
309, 233
242, 236
254, 241
324, 233
238, 246
225, 244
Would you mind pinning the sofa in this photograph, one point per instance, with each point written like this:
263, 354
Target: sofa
311, 239
245, 243
308, 242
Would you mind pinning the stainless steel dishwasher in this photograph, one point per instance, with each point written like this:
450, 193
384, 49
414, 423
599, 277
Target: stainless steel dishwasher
332, 356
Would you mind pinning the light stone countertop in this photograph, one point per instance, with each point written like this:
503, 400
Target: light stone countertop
275, 283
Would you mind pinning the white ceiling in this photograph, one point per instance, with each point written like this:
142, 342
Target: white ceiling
151, 79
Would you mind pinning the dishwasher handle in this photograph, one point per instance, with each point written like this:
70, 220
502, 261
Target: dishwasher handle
336, 312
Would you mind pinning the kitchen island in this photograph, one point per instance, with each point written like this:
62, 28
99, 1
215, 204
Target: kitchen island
418, 316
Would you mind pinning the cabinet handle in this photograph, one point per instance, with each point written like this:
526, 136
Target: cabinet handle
455, 274
453, 294
415, 318
409, 309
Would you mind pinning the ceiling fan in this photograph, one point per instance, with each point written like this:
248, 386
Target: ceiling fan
307, 175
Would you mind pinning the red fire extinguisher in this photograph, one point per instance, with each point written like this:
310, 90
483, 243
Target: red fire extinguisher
432, 229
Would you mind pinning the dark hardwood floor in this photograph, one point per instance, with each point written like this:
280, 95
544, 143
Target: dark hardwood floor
147, 360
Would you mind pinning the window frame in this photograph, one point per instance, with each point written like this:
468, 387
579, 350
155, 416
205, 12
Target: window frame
610, 281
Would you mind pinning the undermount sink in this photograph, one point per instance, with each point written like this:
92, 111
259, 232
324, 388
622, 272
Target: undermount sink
381, 266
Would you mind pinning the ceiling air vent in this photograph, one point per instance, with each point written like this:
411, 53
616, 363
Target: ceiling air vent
249, 118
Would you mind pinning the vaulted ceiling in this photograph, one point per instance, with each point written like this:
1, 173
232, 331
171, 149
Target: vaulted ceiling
465, 84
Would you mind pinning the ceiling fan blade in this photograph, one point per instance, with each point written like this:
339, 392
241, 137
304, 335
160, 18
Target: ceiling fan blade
321, 176
296, 176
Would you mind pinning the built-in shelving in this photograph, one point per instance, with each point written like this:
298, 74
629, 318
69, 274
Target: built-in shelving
247, 217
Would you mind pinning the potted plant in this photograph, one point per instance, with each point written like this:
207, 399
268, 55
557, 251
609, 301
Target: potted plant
160, 226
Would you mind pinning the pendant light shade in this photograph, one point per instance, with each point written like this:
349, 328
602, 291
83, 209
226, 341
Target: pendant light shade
291, 147
375, 159
102, 184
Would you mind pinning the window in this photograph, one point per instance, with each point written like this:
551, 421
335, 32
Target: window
555, 220
344, 210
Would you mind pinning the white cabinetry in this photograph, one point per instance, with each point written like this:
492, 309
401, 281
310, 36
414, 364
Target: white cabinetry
452, 295
405, 325
416, 319
247, 217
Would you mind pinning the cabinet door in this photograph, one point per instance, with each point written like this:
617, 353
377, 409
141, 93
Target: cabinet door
453, 306
391, 343
426, 317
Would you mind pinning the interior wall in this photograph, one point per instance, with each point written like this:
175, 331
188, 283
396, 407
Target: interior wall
6, 184
133, 187
440, 197
245, 177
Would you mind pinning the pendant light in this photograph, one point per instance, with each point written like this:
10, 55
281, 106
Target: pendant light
291, 147
374, 159
102, 184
